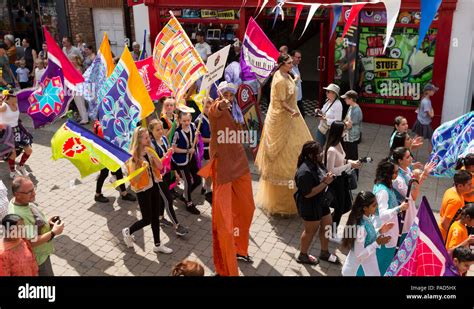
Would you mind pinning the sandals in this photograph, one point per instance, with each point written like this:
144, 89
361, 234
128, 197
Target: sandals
329, 257
307, 259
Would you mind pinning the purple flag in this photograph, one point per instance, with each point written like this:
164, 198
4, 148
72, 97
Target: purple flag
51, 99
422, 253
258, 56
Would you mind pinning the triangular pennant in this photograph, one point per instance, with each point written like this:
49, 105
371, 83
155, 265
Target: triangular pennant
355, 9
299, 8
262, 7
393, 8
336, 10
312, 11
428, 12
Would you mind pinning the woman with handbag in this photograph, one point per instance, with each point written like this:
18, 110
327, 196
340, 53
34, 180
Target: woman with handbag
336, 163
331, 111
313, 199
10, 115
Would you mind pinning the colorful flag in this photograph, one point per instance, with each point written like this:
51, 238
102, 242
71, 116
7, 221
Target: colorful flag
422, 253
258, 55
450, 141
156, 88
96, 75
51, 99
124, 101
176, 61
88, 152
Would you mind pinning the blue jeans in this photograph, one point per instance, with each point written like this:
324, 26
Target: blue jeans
320, 138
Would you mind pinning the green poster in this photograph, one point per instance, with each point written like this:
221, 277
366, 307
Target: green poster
396, 76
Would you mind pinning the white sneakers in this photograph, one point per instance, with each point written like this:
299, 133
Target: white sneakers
13, 175
162, 249
127, 238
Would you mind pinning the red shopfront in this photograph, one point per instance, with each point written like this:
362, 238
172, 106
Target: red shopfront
224, 21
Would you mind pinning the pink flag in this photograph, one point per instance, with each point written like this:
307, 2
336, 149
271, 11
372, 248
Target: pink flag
156, 88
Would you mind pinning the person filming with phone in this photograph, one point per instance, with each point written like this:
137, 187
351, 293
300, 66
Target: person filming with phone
38, 229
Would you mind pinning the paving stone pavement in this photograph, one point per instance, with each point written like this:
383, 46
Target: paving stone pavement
92, 244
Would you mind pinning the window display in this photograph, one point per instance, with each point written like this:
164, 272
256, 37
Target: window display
394, 77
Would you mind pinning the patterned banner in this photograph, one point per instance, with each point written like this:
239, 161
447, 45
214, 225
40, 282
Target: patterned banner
88, 152
156, 88
51, 99
124, 101
96, 75
258, 55
450, 141
422, 253
176, 61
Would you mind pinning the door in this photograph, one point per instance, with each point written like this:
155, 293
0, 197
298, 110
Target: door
322, 62
110, 20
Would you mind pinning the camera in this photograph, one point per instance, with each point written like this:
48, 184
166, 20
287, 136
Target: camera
366, 160
318, 113
56, 219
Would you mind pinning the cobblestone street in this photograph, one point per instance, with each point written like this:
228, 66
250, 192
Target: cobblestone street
92, 244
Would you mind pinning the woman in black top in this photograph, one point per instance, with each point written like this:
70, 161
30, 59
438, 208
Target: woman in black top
313, 200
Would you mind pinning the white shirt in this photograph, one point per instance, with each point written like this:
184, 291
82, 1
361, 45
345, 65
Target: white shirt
10, 117
334, 113
204, 50
23, 74
362, 256
401, 187
387, 215
296, 71
335, 160
38, 75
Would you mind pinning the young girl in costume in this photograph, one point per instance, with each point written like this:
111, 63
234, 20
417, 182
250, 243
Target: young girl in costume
458, 235
168, 117
467, 163
362, 238
146, 185
184, 160
162, 147
388, 210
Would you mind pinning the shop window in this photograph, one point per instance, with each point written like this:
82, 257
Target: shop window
220, 26
395, 77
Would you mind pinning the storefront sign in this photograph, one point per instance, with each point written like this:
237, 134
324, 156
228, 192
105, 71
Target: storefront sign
388, 64
208, 13
229, 14
215, 66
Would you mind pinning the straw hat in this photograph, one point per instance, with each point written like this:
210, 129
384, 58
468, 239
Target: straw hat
333, 87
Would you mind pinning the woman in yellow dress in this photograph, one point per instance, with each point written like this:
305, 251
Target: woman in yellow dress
284, 134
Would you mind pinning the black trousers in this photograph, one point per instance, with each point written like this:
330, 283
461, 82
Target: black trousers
150, 203
167, 198
190, 177
103, 175
301, 108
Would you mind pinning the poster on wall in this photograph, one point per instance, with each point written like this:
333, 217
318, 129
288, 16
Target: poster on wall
394, 77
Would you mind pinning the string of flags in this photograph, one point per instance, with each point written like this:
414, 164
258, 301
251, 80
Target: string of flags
392, 7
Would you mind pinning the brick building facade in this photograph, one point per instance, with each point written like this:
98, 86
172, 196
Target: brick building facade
80, 15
